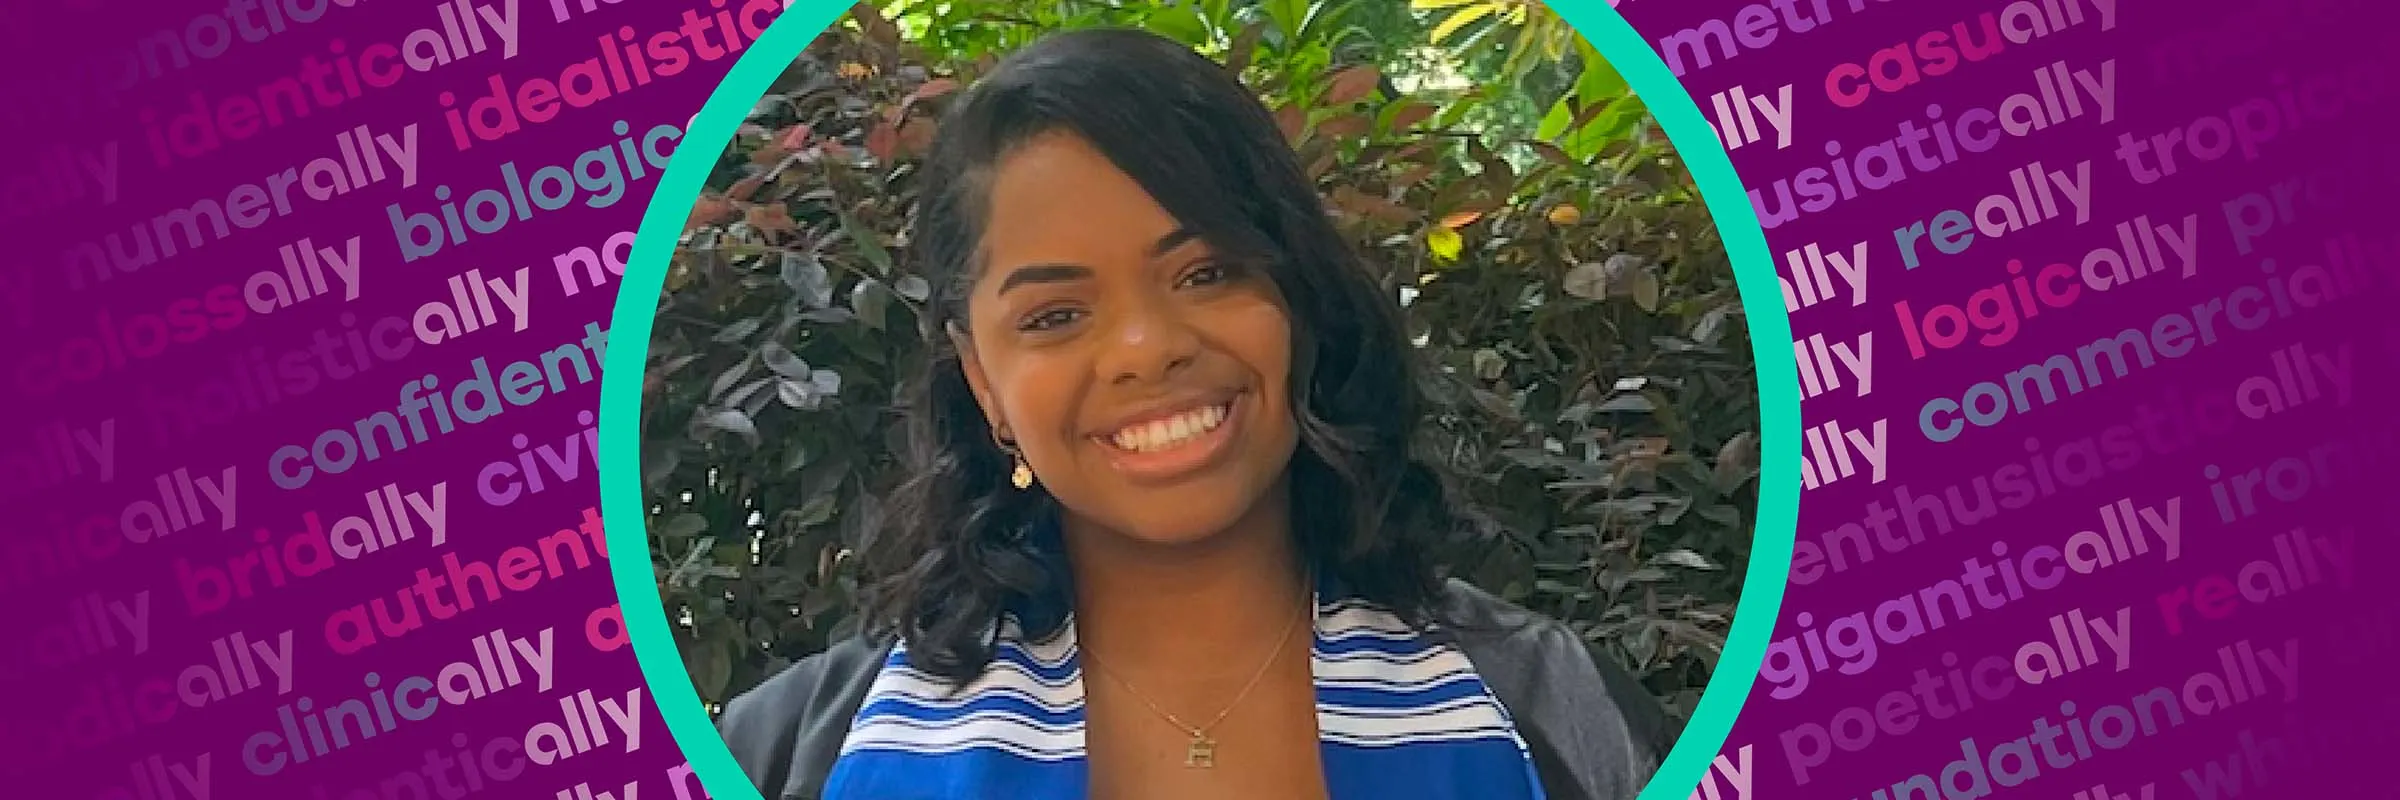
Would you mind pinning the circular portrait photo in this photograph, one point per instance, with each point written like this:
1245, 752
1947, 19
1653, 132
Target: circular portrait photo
1218, 399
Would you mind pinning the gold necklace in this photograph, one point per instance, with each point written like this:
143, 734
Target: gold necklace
1202, 751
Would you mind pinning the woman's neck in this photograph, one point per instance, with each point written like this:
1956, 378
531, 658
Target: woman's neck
1205, 610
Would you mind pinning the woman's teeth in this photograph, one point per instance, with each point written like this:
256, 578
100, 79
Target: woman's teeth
1170, 432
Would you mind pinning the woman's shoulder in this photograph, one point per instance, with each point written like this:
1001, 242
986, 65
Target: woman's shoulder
786, 731
1594, 727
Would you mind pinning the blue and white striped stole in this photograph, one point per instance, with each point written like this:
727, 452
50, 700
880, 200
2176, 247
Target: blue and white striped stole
1399, 715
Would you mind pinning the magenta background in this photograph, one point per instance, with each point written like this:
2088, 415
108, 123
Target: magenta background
2344, 634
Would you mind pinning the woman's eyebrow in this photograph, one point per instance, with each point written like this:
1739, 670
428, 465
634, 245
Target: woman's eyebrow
1043, 273
1174, 239
1066, 273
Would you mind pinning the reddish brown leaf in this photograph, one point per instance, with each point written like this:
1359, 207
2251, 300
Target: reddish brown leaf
1555, 154
882, 141
1293, 120
1451, 196
1410, 114
1323, 163
710, 210
794, 137
916, 137
1589, 113
1499, 186
1355, 202
1461, 219
1422, 151
746, 188
926, 91
1352, 85
771, 218
1346, 126
934, 88
1237, 58
1413, 176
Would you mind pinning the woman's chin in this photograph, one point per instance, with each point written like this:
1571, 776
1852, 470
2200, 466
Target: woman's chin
1177, 532
1197, 513
1174, 523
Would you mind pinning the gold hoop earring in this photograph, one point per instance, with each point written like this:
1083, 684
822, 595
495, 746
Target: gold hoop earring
1021, 475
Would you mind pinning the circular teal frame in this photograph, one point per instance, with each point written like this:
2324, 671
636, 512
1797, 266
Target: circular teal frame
712, 130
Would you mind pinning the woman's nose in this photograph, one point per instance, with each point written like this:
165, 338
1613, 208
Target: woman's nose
1148, 344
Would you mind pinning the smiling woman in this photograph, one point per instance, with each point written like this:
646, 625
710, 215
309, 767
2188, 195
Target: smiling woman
1165, 532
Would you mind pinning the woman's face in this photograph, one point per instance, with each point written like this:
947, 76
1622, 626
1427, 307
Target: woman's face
1144, 379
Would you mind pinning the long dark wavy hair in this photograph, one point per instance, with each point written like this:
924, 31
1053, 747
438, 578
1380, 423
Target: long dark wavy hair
961, 546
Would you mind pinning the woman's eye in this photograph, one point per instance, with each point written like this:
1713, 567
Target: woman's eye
1207, 275
1049, 319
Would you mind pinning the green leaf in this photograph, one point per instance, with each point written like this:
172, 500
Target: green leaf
806, 277
683, 526
1599, 81
1645, 290
1555, 121
870, 244
1288, 15
1460, 108
1429, 5
797, 394
731, 421
1219, 12
870, 299
1327, 15
1179, 22
1737, 462
730, 378
1588, 281
1711, 324
1612, 125
825, 382
817, 511
711, 667
1683, 558
780, 359
739, 330
1460, 19
740, 397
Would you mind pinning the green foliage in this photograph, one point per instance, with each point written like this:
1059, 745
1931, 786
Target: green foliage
1572, 290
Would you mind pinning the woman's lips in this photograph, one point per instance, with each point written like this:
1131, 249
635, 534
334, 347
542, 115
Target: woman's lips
1161, 461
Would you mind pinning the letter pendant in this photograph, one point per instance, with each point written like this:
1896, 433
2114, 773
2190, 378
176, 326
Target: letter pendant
1202, 753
